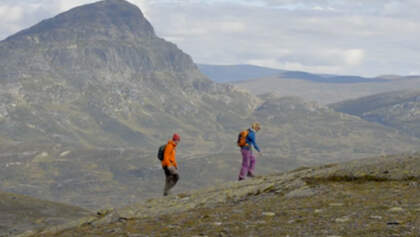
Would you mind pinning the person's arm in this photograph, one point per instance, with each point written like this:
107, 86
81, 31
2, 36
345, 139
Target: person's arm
174, 159
251, 136
167, 155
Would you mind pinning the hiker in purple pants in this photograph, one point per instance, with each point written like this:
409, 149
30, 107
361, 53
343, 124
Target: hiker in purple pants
246, 141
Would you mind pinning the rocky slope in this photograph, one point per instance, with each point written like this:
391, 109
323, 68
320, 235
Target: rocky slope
295, 133
372, 197
398, 109
20, 213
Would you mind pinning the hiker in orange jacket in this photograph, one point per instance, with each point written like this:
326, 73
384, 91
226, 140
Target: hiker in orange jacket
169, 164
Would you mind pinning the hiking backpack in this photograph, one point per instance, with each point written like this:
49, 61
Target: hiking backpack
161, 152
242, 138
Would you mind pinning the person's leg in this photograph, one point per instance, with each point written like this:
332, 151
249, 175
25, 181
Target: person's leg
174, 176
167, 181
172, 179
245, 164
251, 165
175, 179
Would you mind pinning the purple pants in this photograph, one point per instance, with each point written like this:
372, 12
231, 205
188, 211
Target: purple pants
248, 163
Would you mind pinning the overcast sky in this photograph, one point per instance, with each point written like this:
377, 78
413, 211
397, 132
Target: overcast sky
359, 37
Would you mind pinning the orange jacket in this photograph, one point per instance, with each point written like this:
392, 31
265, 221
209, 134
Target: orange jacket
169, 155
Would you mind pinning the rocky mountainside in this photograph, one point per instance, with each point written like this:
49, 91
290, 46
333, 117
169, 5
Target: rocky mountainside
97, 75
294, 134
20, 213
398, 109
371, 197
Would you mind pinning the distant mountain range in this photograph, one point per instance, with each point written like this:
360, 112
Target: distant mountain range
322, 88
245, 72
398, 109
233, 73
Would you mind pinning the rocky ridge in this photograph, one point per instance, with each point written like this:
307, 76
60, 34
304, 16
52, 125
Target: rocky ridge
377, 195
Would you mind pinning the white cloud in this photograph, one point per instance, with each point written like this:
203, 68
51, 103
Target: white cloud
320, 8
335, 37
296, 66
354, 56
232, 26
11, 13
143, 5
65, 5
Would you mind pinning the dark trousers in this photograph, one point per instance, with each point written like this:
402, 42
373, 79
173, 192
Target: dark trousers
172, 177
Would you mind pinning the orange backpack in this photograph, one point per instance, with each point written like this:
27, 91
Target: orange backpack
242, 138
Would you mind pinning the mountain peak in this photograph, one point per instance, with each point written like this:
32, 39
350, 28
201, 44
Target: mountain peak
113, 18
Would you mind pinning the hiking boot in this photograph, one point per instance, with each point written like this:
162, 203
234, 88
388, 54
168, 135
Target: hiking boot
240, 179
251, 175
